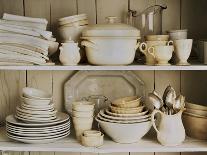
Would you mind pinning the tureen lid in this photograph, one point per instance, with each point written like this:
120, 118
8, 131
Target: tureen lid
111, 29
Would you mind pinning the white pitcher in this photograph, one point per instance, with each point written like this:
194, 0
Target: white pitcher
170, 131
69, 53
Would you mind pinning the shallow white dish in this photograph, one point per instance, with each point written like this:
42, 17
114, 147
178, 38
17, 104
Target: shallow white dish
34, 119
103, 113
36, 115
126, 115
40, 108
36, 111
61, 118
36, 93
98, 82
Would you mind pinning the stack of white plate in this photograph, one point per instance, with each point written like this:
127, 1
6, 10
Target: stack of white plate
38, 132
36, 106
126, 120
36, 120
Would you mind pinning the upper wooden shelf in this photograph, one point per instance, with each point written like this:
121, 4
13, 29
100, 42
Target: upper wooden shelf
90, 67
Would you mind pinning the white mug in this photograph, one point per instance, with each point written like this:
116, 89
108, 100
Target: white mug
162, 54
183, 49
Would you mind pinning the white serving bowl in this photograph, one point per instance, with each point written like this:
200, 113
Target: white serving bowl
201, 113
178, 34
126, 110
125, 133
36, 94
196, 106
70, 32
35, 102
83, 106
82, 113
195, 126
157, 37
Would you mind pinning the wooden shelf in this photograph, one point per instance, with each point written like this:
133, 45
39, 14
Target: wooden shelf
69, 144
90, 67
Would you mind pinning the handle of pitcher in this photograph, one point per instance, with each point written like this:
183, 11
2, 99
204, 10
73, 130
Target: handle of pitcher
153, 119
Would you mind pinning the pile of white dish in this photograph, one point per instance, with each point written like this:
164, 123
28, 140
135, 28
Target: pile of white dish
82, 113
25, 41
71, 27
195, 113
126, 120
36, 120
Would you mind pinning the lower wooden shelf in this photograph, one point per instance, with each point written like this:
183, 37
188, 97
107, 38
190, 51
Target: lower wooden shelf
69, 144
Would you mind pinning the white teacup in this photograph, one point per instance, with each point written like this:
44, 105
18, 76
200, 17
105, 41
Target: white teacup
183, 49
162, 54
144, 48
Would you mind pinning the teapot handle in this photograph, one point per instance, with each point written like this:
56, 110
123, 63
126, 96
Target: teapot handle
153, 119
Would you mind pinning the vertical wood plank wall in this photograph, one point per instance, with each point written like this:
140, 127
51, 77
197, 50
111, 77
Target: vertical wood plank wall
176, 16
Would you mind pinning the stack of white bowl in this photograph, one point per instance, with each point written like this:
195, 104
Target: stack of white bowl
71, 27
92, 138
82, 113
126, 120
195, 113
36, 120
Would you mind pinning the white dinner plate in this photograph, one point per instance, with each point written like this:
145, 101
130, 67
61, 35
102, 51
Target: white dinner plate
34, 120
61, 118
126, 115
36, 116
102, 113
122, 122
38, 141
43, 107
39, 129
35, 111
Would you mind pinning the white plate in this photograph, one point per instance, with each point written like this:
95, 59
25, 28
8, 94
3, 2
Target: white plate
39, 129
126, 115
35, 111
86, 83
37, 141
121, 122
28, 107
37, 134
61, 118
36, 115
48, 106
102, 113
35, 120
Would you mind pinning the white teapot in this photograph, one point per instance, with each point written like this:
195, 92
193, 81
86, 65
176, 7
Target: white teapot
69, 53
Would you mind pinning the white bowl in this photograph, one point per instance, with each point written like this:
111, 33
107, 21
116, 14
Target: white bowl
195, 126
127, 102
53, 47
71, 32
196, 106
125, 133
36, 94
92, 141
201, 113
35, 102
83, 106
178, 34
126, 110
157, 37
92, 133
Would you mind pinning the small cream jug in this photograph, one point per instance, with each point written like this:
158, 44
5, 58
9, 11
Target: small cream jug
69, 53
170, 131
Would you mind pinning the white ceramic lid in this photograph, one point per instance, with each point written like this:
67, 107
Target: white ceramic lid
111, 29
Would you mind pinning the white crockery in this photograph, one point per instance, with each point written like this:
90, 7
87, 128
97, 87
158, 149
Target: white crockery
125, 133
92, 133
182, 50
36, 93
157, 37
83, 106
162, 54
82, 113
178, 34
35, 102
92, 141
126, 110
72, 19
127, 102
69, 53
196, 106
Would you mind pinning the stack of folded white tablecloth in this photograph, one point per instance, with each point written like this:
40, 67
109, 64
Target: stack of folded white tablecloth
25, 41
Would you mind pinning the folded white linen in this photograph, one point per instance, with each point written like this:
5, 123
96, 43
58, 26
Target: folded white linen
7, 16
25, 24
13, 63
20, 50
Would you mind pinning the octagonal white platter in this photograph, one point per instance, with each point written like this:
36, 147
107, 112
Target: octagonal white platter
112, 84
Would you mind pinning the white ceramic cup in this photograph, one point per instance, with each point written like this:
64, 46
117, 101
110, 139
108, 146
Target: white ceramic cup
183, 49
162, 54
144, 48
